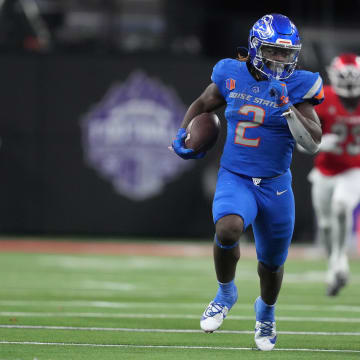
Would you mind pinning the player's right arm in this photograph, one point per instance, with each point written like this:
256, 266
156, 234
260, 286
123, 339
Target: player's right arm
210, 100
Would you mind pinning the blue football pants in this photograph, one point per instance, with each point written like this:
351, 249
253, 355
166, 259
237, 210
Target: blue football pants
267, 205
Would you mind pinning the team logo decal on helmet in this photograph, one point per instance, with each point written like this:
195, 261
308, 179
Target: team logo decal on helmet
263, 27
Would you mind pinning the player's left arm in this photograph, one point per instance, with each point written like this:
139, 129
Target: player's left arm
305, 126
302, 119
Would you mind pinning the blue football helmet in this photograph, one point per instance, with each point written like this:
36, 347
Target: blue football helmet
274, 46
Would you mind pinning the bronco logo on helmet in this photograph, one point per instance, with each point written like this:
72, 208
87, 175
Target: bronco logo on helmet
264, 28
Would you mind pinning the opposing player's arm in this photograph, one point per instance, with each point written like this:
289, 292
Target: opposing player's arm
210, 100
305, 126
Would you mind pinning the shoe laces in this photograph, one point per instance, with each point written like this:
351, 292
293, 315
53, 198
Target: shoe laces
214, 309
266, 328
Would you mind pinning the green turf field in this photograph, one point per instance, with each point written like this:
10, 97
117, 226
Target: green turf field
137, 307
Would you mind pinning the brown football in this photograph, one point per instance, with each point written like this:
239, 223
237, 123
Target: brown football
202, 132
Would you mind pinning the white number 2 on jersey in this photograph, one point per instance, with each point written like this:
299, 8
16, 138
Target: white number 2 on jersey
258, 115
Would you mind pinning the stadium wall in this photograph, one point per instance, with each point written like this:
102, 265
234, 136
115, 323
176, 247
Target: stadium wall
84, 148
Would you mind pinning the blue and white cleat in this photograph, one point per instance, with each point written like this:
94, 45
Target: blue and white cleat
217, 310
265, 328
213, 317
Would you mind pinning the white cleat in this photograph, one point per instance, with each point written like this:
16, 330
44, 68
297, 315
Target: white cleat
213, 317
265, 335
265, 328
337, 275
339, 281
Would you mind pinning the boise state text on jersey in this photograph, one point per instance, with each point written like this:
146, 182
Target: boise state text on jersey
335, 118
259, 142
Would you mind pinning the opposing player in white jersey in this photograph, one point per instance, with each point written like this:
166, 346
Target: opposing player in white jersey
336, 175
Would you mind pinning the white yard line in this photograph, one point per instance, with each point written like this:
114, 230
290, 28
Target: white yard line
160, 305
85, 328
170, 347
171, 316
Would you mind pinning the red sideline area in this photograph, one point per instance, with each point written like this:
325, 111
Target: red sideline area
145, 248
105, 248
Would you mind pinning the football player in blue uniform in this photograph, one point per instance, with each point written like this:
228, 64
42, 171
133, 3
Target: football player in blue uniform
269, 106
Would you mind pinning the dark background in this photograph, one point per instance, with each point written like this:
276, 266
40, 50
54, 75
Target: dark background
60, 60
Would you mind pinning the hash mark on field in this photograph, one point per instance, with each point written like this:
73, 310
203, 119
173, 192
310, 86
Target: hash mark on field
84, 328
170, 316
169, 347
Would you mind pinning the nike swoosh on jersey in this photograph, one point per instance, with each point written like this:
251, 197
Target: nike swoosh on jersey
280, 192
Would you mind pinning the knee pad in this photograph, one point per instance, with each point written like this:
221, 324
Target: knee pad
339, 208
324, 223
229, 229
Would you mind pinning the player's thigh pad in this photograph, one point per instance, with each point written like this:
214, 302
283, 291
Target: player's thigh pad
347, 190
274, 225
233, 195
322, 189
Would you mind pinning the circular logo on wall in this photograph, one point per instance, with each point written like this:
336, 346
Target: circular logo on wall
126, 136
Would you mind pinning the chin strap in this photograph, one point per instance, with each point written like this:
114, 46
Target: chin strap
300, 134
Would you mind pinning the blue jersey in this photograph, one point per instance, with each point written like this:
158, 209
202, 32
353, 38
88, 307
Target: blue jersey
259, 142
